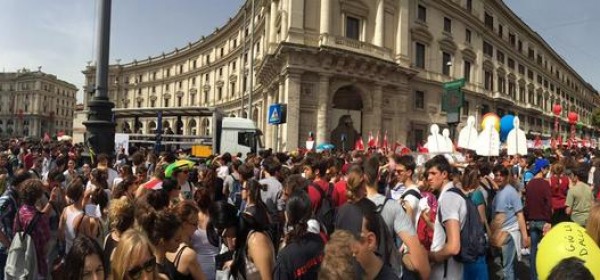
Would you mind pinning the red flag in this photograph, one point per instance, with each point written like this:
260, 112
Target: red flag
385, 142
422, 149
359, 145
371, 141
377, 141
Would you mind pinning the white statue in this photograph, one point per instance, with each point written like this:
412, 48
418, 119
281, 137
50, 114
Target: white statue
488, 141
435, 141
448, 145
516, 142
467, 138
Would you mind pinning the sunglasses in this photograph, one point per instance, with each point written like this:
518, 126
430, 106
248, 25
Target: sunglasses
147, 266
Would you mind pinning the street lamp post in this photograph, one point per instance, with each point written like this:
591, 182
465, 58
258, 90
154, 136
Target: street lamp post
100, 125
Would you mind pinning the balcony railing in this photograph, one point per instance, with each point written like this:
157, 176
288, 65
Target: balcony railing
355, 46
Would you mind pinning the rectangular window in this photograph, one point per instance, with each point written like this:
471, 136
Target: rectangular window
447, 25
467, 35
419, 99
511, 63
219, 93
467, 71
168, 73
194, 64
500, 30
488, 49
166, 87
221, 72
422, 13
420, 55
469, 5
512, 39
166, 102
446, 63
222, 52
465, 108
520, 46
530, 74
531, 53
180, 69
521, 69
488, 80
501, 85
352, 28
539, 59
489, 21
500, 56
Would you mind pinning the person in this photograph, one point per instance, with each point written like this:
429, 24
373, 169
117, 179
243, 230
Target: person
121, 216
125, 188
182, 174
31, 192
508, 221
134, 258
254, 205
559, 186
446, 234
397, 221
253, 252
579, 197
302, 251
315, 170
570, 268
124, 172
104, 165
405, 169
205, 240
470, 185
184, 259
84, 261
271, 195
70, 174
361, 219
538, 208
593, 223
338, 258
73, 220
163, 228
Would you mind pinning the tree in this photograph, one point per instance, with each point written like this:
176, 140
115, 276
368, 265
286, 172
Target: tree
596, 118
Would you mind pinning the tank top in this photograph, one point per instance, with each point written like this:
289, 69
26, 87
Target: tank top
109, 246
205, 253
251, 269
71, 231
170, 268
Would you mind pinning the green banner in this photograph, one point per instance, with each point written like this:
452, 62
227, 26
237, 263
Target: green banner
453, 97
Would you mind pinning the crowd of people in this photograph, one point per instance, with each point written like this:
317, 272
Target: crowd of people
296, 215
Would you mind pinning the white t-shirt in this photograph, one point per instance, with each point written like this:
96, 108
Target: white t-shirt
413, 201
452, 207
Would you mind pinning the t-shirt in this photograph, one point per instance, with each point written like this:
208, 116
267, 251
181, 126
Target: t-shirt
559, 186
300, 259
393, 215
507, 201
397, 191
580, 199
452, 207
340, 189
538, 200
272, 197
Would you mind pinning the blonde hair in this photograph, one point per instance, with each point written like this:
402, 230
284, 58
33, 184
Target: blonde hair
337, 262
593, 223
133, 243
121, 214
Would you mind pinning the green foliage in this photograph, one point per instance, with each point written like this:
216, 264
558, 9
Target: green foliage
596, 118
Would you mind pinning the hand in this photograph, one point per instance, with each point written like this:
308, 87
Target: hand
54, 194
526, 242
227, 265
546, 228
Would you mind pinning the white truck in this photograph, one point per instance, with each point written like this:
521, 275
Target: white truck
228, 134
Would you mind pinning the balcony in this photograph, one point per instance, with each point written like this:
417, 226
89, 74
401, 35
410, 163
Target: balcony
498, 96
361, 47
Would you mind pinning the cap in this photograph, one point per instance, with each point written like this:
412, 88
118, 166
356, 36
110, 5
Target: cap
540, 163
528, 176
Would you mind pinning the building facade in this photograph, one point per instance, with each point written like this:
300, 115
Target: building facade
33, 103
349, 67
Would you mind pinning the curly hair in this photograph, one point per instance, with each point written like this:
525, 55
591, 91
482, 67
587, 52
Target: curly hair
338, 259
31, 191
121, 214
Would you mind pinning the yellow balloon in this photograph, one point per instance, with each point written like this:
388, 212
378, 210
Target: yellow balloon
492, 118
563, 241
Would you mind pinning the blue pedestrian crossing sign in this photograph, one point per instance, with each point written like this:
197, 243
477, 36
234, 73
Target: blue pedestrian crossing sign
277, 114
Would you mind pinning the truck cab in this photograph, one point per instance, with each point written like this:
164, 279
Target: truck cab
239, 135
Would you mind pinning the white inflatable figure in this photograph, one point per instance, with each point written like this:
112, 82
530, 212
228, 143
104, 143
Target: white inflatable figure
516, 143
488, 141
447, 147
435, 141
467, 138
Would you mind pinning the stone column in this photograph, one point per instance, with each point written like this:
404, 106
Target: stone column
376, 108
272, 19
402, 36
279, 97
322, 109
325, 17
292, 98
268, 128
284, 19
379, 22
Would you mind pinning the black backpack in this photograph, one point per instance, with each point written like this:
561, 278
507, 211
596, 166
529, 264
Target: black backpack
490, 198
473, 242
325, 214
386, 246
412, 192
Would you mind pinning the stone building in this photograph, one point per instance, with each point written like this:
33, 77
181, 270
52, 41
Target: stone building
33, 103
358, 65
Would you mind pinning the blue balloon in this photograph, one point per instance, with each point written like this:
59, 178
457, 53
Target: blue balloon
506, 125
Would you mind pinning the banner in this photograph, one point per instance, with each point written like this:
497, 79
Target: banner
121, 142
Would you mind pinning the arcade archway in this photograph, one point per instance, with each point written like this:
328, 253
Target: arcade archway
346, 117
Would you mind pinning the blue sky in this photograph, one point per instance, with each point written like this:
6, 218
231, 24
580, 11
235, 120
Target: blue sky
59, 34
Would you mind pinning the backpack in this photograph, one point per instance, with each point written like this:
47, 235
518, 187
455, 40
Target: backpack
425, 233
325, 214
473, 242
491, 193
22, 259
236, 192
412, 192
386, 247
8, 211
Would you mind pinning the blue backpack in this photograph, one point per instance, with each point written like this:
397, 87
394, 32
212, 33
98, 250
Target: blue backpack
8, 210
236, 192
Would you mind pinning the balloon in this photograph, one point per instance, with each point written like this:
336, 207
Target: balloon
492, 116
506, 125
563, 241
